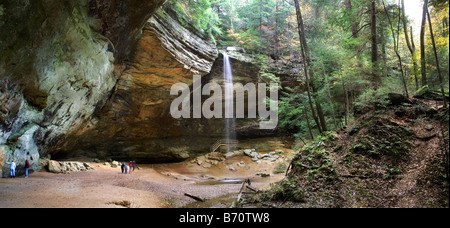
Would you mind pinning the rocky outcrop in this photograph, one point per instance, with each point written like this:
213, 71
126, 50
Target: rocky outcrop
92, 77
67, 167
195, 50
59, 61
121, 21
136, 123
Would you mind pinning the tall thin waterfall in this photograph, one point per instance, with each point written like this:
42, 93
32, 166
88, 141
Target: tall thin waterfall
230, 121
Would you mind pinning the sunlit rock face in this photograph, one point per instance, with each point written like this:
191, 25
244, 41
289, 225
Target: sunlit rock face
93, 77
136, 122
59, 63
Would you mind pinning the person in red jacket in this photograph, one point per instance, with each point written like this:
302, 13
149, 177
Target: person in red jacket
131, 167
27, 166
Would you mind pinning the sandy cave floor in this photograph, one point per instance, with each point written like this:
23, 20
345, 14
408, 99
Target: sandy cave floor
150, 186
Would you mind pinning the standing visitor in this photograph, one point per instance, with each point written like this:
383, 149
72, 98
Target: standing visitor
12, 168
122, 167
131, 166
27, 166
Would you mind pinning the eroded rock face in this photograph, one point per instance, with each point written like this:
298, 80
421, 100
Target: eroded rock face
136, 123
93, 78
121, 21
59, 62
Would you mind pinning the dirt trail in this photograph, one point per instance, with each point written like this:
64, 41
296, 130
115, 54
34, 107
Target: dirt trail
389, 157
150, 186
424, 150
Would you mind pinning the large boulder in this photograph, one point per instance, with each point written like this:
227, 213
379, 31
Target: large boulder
398, 99
54, 167
427, 93
66, 167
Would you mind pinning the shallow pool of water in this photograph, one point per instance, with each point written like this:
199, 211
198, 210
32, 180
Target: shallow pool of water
240, 181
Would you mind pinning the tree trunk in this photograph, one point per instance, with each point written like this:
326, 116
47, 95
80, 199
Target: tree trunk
410, 44
437, 59
383, 53
231, 15
348, 7
306, 61
308, 124
275, 46
355, 35
422, 44
395, 38
319, 108
260, 25
373, 31
414, 58
313, 87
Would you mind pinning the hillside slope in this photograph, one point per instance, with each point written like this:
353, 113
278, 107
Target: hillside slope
391, 156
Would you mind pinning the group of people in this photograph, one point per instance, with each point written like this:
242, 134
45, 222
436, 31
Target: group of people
128, 168
13, 166
125, 168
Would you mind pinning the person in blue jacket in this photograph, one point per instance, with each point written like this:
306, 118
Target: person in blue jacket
122, 167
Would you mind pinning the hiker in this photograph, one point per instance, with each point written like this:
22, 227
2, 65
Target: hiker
126, 168
12, 168
131, 166
27, 166
134, 165
122, 167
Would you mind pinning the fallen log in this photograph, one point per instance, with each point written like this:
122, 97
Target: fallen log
252, 189
194, 197
246, 182
426, 138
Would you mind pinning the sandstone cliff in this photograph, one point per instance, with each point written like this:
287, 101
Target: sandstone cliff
59, 61
92, 78
135, 123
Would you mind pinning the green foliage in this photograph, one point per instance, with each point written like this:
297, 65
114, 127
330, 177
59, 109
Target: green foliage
256, 25
280, 168
200, 14
314, 160
245, 39
381, 137
427, 93
439, 15
287, 190
292, 108
339, 40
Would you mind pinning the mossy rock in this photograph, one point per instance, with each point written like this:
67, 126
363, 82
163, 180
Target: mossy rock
427, 93
398, 99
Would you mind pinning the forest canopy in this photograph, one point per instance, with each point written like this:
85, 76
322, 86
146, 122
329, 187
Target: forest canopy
354, 51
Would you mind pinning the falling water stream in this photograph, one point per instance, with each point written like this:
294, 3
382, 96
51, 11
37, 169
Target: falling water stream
230, 122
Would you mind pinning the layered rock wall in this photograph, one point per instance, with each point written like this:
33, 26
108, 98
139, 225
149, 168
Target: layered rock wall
93, 78
59, 61
136, 123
